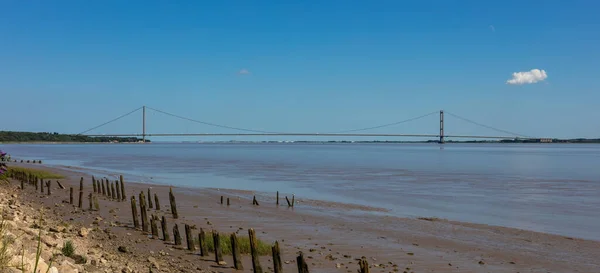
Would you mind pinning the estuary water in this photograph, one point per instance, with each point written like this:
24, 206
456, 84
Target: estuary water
552, 188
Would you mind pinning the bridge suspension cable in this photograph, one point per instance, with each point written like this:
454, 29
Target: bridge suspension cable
486, 126
112, 120
384, 125
212, 124
273, 132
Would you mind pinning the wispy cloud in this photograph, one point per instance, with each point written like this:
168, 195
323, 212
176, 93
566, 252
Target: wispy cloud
492, 28
244, 71
528, 77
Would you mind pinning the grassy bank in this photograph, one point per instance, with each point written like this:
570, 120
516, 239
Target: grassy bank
42, 174
244, 242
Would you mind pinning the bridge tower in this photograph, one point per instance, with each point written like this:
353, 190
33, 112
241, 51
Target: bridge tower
144, 123
441, 127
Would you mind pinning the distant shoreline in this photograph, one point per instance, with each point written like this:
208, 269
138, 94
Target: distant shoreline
583, 141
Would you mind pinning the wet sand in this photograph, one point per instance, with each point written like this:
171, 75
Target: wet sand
332, 235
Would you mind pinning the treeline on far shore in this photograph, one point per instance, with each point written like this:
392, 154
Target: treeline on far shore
10, 136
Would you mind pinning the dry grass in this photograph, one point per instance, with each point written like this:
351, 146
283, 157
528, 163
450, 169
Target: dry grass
5, 243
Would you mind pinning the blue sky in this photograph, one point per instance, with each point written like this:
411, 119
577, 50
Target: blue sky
318, 66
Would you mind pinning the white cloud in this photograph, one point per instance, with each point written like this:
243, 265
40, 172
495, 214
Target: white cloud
527, 77
243, 71
492, 28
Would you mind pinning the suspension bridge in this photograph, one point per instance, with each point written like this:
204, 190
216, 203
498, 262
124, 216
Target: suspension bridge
359, 132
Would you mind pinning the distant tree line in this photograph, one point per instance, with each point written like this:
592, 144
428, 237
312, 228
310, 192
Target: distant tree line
9, 136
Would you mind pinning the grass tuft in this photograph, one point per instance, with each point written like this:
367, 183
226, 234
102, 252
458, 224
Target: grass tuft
263, 248
5, 243
68, 249
42, 174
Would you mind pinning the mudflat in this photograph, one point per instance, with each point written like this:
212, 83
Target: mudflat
331, 235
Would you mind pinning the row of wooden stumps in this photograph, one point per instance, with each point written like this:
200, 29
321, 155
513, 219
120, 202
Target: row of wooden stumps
35, 181
112, 190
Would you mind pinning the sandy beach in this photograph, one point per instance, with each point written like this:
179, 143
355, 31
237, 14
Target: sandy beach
332, 235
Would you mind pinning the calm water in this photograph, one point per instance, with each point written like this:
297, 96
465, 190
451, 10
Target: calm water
549, 188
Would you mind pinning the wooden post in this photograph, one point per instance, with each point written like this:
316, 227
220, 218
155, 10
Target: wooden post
136, 224
156, 202
48, 183
60, 185
165, 229
173, 204
221, 199
189, 238
235, 250
253, 250
153, 226
202, 240
91, 202
37, 182
277, 266
149, 199
143, 212
228, 201
293, 201
22, 184
254, 202
288, 201
42, 184
277, 199
176, 235
118, 190
364, 265
71, 195
94, 184
122, 187
103, 187
81, 184
80, 199
96, 205
302, 266
217, 244
112, 191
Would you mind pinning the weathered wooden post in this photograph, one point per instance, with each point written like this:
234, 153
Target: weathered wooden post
293, 200
149, 199
81, 184
156, 202
176, 235
235, 250
153, 226
189, 238
254, 202
173, 204
143, 212
71, 195
80, 200
277, 266
37, 182
136, 224
202, 240
112, 191
22, 184
91, 201
364, 265
288, 201
228, 201
122, 187
60, 185
218, 251
254, 252
103, 187
96, 205
302, 266
48, 184
42, 184
118, 190
277, 199
165, 229
221, 199
94, 184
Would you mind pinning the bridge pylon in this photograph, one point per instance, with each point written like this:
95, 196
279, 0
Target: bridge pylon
441, 127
